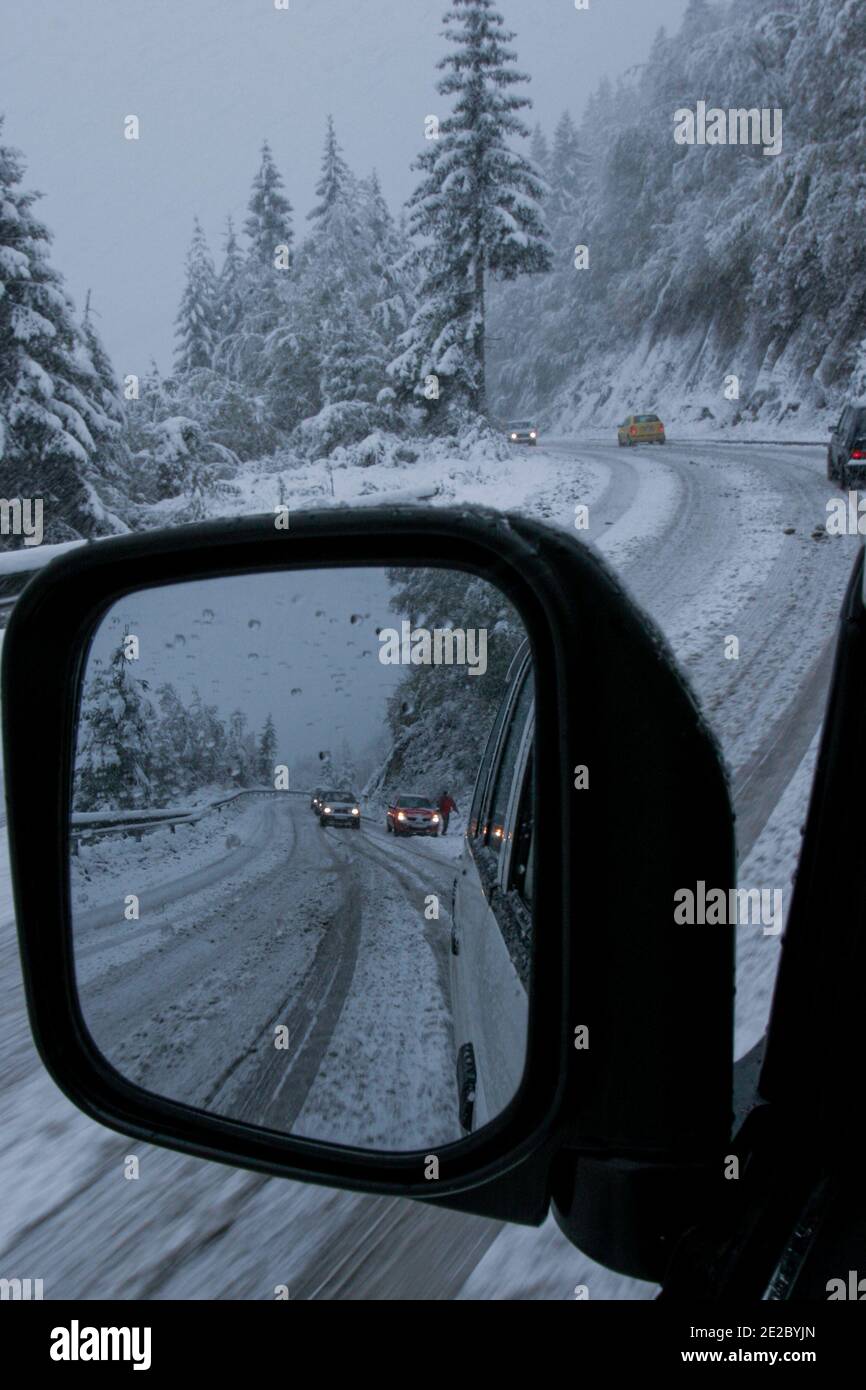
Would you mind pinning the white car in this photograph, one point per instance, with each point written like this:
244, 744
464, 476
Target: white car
522, 432
339, 808
491, 931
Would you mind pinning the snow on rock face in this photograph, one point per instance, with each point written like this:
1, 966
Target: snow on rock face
720, 287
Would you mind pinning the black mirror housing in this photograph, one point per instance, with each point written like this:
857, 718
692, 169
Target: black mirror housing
629, 1063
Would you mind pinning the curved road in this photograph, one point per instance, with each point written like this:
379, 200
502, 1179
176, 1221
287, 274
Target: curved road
698, 533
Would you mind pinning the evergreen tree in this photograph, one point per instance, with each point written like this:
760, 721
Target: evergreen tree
57, 405
477, 208
326, 314
264, 286
269, 223
540, 151
108, 424
197, 317
229, 289
115, 759
351, 360
241, 759
567, 165
267, 760
335, 183
393, 299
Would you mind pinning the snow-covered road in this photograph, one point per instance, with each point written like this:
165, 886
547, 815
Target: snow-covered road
324, 935
698, 533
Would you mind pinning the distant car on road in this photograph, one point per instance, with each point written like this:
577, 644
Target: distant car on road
340, 808
640, 429
846, 452
316, 799
522, 432
412, 815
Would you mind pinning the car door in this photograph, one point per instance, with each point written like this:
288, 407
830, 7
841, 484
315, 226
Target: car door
795, 1226
491, 928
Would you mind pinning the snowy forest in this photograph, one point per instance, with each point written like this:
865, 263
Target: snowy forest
703, 261
137, 748
369, 330
439, 718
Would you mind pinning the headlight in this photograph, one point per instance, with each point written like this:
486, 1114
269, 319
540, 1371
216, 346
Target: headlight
400, 815
514, 436
327, 810
355, 811
532, 434
435, 820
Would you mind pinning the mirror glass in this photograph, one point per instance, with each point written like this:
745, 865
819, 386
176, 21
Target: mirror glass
301, 850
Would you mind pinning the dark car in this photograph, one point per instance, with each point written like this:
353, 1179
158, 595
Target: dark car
846, 452
412, 815
316, 799
340, 808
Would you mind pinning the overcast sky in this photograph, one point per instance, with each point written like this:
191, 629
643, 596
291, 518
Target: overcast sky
301, 646
283, 644
208, 80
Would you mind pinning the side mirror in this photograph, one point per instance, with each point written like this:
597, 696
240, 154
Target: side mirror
230, 754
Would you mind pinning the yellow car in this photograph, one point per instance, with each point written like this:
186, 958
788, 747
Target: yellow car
640, 429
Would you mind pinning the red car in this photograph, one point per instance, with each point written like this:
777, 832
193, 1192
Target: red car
412, 815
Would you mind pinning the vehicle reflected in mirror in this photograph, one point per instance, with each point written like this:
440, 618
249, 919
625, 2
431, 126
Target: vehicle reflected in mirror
301, 851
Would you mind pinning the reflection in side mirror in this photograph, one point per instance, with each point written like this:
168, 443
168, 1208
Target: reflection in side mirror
302, 849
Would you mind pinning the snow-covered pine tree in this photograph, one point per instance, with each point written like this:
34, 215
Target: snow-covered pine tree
540, 151
269, 221
477, 210
328, 322
267, 759
567, 166
197, 316
351, 353
393, 302
114, 763
173, 747
335, 182
229, 289
111, 460
240, 750
52, 398
265, 284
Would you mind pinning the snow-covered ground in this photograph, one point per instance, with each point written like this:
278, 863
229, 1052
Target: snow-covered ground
319, 932
698, 532
162, 856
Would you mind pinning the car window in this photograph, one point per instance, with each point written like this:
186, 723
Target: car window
504, 775
522, 858
476, 823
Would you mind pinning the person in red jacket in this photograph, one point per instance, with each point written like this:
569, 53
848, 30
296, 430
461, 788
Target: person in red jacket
446, 806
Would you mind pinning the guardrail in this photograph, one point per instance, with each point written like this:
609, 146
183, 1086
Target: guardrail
96, 825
